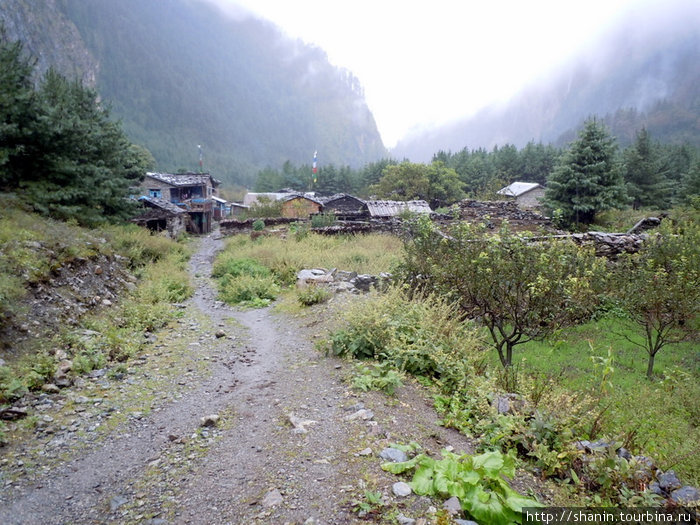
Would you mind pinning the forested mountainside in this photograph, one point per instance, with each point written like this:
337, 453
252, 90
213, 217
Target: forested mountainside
178, 73
638, 75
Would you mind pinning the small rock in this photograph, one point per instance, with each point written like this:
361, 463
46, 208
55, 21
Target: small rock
209, 421
12, 413
403, 520
623, 453
394, 455
668, 481
272, 499
299, 424
219, 334
401, 489
453, 506
116, 502
50, 388
365, 452
98, 270
363, 414
465, 522
686, 495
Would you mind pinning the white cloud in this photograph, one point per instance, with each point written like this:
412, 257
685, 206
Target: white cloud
423, 62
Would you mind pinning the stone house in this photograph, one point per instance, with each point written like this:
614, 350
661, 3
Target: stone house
345, 207
192, 192
525, 194
160, 215
300, 206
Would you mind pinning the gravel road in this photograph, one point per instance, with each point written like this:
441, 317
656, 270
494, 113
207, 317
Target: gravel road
285, 443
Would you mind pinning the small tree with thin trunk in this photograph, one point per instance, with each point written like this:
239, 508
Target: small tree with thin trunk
520, 290
659, 287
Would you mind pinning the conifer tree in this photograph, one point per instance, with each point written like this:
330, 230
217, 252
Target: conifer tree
587, 179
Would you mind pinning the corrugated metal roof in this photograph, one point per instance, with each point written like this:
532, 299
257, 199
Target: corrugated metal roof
516, 189
163, 204
394, 208
183, 179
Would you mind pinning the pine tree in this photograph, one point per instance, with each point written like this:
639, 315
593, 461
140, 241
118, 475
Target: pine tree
646, 184
587, 179
18, 112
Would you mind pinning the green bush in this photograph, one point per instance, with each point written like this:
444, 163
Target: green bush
258, 225
248, 290
423, 336
378, 376
231, 266
323, 220
11, 386
313, 294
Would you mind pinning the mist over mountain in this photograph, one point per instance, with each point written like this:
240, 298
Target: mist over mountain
644, 72
180, 73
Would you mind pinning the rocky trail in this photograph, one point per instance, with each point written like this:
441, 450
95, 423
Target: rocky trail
232, 417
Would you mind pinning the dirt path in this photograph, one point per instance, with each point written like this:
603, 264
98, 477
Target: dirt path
147, 458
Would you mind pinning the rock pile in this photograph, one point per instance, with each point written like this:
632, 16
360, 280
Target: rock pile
495, 212
342, 281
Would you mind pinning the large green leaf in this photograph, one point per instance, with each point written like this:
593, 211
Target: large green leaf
423, 480
490, 462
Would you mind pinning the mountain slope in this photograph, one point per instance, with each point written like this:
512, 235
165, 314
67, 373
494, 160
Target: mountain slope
639, 75
179, 73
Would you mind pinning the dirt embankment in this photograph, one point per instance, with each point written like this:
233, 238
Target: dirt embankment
290, 442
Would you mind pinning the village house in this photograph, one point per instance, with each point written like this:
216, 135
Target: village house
300, 206
160, 215
345, 207
525, 194
192, 192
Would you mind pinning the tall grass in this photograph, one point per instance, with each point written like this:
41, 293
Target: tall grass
372, 253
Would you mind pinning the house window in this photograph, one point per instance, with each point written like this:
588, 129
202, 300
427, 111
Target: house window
154, 192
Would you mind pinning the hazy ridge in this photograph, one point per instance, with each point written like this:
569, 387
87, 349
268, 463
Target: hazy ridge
637, 75
179, 73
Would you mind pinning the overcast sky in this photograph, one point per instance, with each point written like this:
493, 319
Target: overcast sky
428, 62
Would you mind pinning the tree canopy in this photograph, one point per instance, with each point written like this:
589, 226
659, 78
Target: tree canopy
587, 179
59, 149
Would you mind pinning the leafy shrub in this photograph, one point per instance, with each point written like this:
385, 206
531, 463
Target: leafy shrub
378, 376
258, 225
236, 266
89, 359
323, 220
42, 368
11, 386
312, 294
423, 336
478, 481
249, 290
11, 290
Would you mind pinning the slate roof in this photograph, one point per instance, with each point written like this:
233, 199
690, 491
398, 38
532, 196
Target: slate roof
184, 179
301, 196
162, 204
394, 208
338, 196
516, 189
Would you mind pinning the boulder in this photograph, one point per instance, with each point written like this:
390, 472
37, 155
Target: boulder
394, 455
